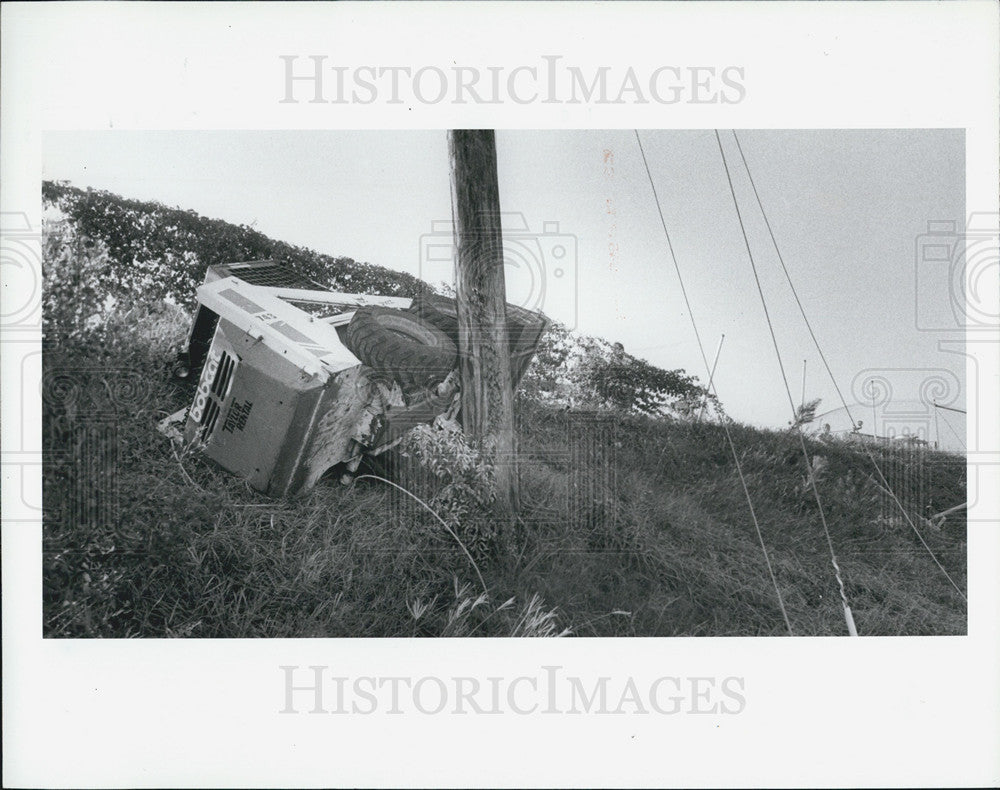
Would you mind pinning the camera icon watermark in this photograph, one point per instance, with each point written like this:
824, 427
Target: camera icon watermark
20, 330
957, 272
21, 264
540, 268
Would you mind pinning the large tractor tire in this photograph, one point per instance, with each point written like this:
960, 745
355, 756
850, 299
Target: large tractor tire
438, 310
416, 353
442, 311
524, 328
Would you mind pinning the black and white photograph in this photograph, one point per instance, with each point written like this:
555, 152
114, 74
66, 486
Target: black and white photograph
516, 383
500, 394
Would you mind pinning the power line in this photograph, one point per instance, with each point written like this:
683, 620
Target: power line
791, 401
711, 378
725, 424
826, 364
673, 256
788, 277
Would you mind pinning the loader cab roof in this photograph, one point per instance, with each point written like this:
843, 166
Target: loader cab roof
311, 343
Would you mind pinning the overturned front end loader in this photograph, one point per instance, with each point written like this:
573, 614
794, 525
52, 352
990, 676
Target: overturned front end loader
294, 379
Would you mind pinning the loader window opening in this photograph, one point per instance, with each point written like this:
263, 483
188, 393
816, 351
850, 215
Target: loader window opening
202, 333
320, 310
272, 275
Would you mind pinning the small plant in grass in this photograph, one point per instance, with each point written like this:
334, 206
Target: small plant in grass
464, 481
817, 469
472, 614
535, 620
805, 413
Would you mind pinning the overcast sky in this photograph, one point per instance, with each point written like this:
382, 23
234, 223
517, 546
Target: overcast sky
847, 208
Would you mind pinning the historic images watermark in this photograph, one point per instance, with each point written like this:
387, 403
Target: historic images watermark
956, 271
319, 689
319, 79
20, 327
540, 266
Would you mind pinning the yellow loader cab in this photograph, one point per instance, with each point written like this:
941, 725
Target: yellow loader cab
293, 379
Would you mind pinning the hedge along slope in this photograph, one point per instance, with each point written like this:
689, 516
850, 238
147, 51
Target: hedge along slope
141, 252
162, 253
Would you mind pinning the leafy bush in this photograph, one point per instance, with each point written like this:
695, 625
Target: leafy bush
632, 384
462, 487
74, 298
163, 252
575, 370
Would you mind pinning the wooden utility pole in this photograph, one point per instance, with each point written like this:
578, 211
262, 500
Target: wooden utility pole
483, 347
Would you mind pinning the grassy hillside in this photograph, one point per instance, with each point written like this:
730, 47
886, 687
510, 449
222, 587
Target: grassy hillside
631, 525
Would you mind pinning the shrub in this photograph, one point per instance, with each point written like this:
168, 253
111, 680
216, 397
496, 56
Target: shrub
572, 369
462, 484
163, 252
74, 296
